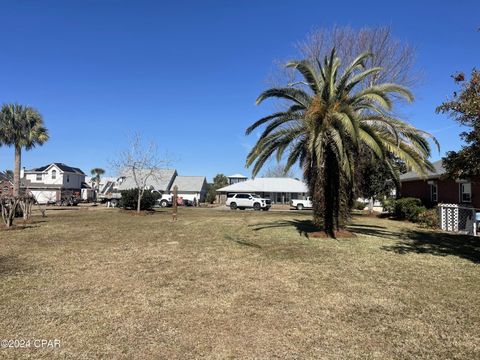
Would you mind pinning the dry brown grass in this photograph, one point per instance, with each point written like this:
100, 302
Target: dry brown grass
221, 284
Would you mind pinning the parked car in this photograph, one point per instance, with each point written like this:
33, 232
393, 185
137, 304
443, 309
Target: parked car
166, 200
301, 204
245, 201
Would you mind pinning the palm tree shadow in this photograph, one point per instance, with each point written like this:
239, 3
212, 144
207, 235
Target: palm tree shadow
304, 227
438, 244
373, 230
242, 242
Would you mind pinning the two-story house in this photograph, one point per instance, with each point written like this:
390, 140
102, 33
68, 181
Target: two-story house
54, 182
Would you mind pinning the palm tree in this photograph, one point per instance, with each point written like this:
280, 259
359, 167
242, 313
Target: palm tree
96, 173
329, 116
21, 127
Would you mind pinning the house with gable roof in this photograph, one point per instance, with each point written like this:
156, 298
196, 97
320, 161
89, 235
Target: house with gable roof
54, 182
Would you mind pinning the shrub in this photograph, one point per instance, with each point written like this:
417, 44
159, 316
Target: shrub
429, 219
359, 205
408, 209
388, 205
130, 198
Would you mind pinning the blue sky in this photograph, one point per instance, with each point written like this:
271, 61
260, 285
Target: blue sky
186, 73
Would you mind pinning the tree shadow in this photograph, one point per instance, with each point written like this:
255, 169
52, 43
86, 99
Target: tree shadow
373, 230
304, 227
242, 242
438, 243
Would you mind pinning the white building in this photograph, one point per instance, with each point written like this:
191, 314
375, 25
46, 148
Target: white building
193, 188
54, 182
236, 178
278, 190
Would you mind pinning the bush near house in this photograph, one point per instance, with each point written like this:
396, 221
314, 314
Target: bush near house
429, 219
130, 198
409, 209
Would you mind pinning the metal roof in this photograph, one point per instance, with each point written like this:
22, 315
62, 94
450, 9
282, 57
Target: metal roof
287, 185
412, 175
237, 176
189, 183
161, 180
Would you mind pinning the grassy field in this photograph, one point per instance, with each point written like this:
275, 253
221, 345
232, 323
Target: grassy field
221, 284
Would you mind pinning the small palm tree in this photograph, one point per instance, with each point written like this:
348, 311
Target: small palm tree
97, 173
329, 116
21, 127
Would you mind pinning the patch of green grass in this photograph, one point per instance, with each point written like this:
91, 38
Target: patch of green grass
222, 284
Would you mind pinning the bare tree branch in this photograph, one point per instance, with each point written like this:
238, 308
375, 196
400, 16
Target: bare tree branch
142, 162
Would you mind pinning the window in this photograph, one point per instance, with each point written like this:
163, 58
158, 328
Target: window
434, 192
465, 192
54, 174
68, 178
39, 177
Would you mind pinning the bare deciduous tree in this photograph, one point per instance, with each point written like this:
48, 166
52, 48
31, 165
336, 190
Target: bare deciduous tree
26, 203
8, 207
141, 162
395, 57
278, 171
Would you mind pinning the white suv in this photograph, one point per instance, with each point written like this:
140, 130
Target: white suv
244, 201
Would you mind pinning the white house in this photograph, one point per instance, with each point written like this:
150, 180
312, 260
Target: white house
236, 178
163, 181
160, 180
51, 183
193, 188
278, 190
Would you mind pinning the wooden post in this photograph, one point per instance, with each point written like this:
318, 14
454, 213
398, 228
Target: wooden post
174, 203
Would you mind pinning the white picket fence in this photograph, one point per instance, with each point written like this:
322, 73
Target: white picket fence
458, 218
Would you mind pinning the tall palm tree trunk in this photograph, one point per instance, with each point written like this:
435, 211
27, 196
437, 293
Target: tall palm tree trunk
16, 173
331, 190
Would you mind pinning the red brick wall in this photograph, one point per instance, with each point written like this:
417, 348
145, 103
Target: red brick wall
448, 191
417, 189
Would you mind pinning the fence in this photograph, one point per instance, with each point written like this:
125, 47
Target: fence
458, 218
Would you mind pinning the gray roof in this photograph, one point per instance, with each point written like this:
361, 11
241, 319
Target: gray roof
189, 183
160, 181
287, 185
412, 175
61, 166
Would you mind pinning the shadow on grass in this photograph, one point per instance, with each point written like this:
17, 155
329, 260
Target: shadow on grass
439, 244
242, 242
373, 230
424, 241
408, 241
304, 227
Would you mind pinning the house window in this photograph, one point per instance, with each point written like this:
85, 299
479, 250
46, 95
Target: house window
39, 177
434, 192
68, 178
466, 192
54, 174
